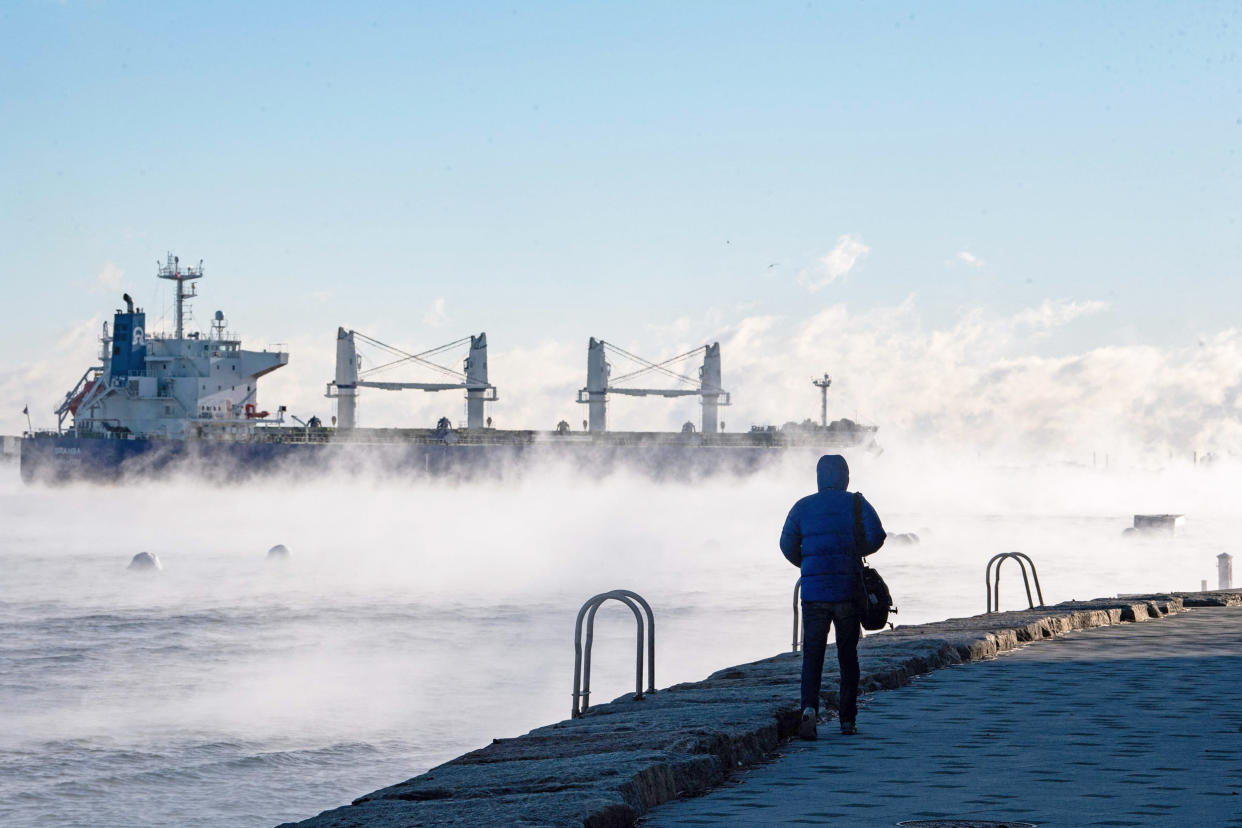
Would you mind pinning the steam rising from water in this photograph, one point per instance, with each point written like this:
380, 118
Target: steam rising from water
418, 619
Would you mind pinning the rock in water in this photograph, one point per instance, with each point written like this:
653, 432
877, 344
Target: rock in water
279, 552
145, 561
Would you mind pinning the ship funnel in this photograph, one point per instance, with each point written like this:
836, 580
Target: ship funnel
129, 303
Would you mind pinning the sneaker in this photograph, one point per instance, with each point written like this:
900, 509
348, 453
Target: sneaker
806, 730
848, 729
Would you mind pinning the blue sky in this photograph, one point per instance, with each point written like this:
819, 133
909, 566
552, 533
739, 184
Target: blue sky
549, 172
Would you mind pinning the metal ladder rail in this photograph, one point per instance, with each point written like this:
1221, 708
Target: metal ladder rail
1035, 576
642, 602
992, 584
582, 669
1026, 581
627, 596
585, 694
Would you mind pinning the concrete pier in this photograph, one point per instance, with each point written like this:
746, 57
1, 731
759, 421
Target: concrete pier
1004, 730
1135, 725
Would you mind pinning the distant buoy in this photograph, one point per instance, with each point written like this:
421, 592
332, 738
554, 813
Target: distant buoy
145, 561
279, 552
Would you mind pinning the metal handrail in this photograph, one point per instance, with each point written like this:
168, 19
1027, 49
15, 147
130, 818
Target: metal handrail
582, 667
797, 627
590, 639
623, 594
992, 584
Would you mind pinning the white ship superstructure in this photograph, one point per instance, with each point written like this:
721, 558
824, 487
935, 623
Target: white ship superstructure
175, 386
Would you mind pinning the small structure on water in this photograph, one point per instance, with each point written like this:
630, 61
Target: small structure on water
1151, 524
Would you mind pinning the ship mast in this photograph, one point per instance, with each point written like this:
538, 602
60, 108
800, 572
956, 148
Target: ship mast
822, 385
172, 270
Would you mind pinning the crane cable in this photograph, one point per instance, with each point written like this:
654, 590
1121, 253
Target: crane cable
398, 361
405, 356
650, 366
410, 358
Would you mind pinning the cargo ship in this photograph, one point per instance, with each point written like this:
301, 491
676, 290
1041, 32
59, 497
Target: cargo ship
159, 403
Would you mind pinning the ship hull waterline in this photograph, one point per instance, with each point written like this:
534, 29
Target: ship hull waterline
62, 459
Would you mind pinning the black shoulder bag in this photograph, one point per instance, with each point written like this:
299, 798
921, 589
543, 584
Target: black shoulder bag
874, 600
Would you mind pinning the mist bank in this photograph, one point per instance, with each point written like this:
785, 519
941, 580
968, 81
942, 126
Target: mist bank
547, 528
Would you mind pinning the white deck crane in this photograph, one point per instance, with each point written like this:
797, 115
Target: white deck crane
600, 385
350, 377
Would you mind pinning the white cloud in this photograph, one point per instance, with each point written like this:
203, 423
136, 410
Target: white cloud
980, 384
435, 316
109, 278
969, 258
836, 263
1055, 314
41, 383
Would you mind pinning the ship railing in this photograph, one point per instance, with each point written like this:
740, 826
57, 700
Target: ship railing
289, 434
195, 336
118, 380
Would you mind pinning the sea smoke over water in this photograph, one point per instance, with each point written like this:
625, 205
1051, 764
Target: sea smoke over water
418, 619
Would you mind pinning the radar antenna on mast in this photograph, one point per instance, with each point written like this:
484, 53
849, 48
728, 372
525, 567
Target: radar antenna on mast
822, 385
173, 270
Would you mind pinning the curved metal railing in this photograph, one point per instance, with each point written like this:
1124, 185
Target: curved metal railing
993, 583
582, 661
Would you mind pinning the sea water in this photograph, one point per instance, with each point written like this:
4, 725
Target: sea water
416, 620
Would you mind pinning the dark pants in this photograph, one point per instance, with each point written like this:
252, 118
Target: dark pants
817, 617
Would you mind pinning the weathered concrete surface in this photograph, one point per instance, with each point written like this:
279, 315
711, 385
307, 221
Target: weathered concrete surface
621, 759
1129, 725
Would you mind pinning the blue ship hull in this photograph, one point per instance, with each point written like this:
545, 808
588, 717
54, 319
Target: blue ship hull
58, 459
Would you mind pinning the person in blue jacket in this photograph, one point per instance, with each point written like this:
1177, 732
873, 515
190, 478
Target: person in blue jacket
820, 538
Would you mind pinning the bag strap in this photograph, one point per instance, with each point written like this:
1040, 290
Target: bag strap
860, 534
860, 538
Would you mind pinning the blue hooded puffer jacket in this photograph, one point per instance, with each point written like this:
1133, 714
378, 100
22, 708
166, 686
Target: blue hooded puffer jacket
819, 535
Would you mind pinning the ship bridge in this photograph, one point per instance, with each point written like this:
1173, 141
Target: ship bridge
170, 385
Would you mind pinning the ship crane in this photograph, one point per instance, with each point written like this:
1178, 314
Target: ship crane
350, 376
600, 385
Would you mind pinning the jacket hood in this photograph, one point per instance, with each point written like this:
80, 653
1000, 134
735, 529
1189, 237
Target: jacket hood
832, 472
